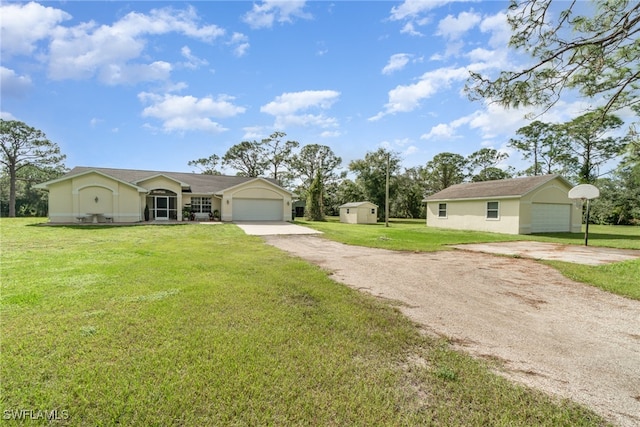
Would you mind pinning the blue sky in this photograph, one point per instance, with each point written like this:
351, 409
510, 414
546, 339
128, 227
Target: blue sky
152, 85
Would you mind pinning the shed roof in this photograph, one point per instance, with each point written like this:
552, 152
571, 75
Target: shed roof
514, 187
357, 204
197, 183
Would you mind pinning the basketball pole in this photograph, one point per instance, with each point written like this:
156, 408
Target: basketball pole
586, 229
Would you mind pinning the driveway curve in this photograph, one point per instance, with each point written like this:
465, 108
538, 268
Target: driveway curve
551, 333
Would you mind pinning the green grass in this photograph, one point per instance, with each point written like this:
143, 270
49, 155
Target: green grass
193, 325
412, 235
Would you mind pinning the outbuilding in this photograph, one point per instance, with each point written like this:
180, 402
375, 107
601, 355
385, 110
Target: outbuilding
90, 194
536, 204
359, 213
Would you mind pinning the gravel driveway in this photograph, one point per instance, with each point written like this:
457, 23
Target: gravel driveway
551, 333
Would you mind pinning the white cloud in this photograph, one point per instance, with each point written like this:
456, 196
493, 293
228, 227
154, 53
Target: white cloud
330, 134
186, 113
411, 9
289, 108
192, 61
292, 102
405, 98
89, 49
25, 24
396, 62
13, 85
5, 115
240, 43
264, 15
499, 28
453, 28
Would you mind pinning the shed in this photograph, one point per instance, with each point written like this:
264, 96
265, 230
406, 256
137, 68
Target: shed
536, 204
359, 213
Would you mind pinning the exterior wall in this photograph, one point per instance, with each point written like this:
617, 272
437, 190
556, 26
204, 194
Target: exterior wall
472, 215
77, 197
349, 218
552, 192
254, 190
61, 202
359, 214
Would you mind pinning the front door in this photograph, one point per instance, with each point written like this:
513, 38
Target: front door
162, 207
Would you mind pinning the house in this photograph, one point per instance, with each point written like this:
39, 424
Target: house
121, 195
359, 213
536, 204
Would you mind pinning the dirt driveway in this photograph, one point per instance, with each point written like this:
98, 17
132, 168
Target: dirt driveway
551, 333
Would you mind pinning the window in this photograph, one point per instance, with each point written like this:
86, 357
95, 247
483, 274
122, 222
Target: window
201, 204
347, 210
373, 211
442, 210
493, 210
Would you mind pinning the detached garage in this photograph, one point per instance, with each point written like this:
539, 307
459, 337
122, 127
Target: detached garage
537, 204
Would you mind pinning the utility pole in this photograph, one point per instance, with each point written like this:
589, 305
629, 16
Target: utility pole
386, 194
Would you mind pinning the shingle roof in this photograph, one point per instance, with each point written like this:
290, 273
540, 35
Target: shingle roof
356, 204
499, 188
198, 183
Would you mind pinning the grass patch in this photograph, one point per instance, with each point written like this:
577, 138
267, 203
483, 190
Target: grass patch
195, 325
413, 235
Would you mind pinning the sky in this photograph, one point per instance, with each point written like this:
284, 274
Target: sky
153, 85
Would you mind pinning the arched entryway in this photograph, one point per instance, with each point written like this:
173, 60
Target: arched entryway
163, 205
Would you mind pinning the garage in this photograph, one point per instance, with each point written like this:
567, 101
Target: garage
257, 210
550, 217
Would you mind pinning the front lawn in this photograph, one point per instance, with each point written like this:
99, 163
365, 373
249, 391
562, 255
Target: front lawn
193, 325
414, 235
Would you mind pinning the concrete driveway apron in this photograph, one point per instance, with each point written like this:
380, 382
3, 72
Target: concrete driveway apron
271, 228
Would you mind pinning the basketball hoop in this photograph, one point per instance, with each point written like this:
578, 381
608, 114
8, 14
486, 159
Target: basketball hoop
584, 193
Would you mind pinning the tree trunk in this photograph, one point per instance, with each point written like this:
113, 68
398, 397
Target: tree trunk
12, 190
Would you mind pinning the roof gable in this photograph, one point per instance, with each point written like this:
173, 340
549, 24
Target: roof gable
357, 205
88, 171
514, 187
258, 179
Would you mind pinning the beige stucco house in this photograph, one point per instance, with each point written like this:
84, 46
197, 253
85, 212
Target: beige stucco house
537, 204
121, 195
359, 213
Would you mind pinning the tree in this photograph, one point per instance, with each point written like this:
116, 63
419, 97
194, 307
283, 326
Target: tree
277, 153
208, 165
371, 175
598, 55
444, 170
247, 158
347, 191
407, 203
546, 145
23, 146
314, 159
592, 143
486, 159
315, 209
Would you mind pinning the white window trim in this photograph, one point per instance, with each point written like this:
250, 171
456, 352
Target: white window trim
497, 218
446, 211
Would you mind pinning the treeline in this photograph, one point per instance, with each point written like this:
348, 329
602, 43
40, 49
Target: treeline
577, 150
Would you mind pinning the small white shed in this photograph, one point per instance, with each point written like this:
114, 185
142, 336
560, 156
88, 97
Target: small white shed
359, 213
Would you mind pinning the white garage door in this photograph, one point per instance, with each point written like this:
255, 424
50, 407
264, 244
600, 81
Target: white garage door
257, 210
550, 217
